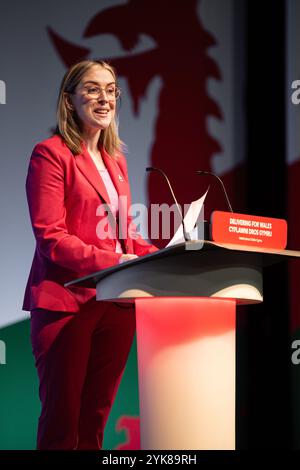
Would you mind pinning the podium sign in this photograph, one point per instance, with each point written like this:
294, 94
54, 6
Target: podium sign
244, 229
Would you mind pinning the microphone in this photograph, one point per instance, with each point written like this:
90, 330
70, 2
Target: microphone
201, 172
185, 234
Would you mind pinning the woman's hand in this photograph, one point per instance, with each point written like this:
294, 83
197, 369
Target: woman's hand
126, 257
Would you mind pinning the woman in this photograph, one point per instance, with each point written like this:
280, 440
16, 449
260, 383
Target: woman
80, 345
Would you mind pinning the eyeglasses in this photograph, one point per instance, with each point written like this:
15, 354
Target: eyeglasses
112, 92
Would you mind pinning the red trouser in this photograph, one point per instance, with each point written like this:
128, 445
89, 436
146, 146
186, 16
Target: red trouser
80, 358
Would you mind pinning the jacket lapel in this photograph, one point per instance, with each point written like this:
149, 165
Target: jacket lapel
87, 167
115, 173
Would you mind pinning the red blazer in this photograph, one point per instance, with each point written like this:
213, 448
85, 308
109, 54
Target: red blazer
64, 193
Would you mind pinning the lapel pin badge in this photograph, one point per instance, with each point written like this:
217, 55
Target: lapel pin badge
120, 178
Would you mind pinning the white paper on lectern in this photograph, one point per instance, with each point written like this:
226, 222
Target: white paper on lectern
190, 220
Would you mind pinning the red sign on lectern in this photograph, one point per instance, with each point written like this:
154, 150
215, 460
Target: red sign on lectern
244, 229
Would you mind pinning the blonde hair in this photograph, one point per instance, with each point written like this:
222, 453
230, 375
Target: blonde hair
68, 124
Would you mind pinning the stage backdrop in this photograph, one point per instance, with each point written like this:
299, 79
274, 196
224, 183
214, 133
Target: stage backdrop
182, 75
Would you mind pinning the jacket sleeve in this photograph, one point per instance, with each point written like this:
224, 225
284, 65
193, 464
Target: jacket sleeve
140, 246
46, 195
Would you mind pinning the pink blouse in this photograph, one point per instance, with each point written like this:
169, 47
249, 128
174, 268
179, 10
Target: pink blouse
114, 199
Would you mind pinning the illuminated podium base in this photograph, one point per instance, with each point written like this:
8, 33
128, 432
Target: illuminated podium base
186, 366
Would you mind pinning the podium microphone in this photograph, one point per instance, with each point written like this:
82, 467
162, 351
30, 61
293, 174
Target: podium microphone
201, 172
185, 234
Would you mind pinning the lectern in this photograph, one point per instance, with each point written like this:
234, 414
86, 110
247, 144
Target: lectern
185, 298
